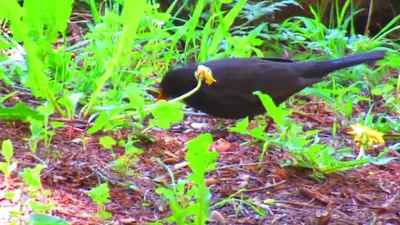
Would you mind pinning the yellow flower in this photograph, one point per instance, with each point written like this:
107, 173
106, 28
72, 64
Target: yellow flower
366, 136
205, 73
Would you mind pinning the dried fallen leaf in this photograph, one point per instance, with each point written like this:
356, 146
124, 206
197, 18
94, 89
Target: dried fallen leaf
217, 216
221, 145
170, 160
181, 165
210, 181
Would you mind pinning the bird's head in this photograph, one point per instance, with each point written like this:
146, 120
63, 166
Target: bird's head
177, 82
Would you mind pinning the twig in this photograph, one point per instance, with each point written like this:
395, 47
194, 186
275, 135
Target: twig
371, 7
265, 187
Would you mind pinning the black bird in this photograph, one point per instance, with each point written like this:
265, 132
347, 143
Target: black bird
231, 97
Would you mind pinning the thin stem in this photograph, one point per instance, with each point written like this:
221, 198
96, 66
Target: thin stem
149, 107
371, 7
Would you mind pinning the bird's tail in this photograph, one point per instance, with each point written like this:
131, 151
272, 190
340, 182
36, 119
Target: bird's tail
322, 68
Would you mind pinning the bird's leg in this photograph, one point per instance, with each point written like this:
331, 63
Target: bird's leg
269, 124
309, 117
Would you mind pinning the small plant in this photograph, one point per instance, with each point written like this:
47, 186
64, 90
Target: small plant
101, 195
7, 167
304, 147
37, 26
189, 198
31, 177
41, 129
123, 163
37, 197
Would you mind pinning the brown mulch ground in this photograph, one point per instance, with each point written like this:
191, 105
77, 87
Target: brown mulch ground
359, 196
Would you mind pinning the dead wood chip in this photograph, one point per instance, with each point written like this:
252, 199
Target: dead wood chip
221, 145
315, 195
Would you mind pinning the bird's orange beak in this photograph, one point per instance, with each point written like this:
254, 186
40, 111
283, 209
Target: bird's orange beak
161, 96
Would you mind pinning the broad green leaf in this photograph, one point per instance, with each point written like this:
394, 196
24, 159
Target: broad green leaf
20, 111
7, 150
43, 219
166, 113
199, 157
278, 114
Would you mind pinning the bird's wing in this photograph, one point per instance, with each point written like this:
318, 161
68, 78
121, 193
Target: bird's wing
236, 81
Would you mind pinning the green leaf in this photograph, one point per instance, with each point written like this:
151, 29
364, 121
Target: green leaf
7, 150
224, 26
37, 206
43, 219
277, 114
99, 123
241, 126
100, 194
70, 101
21, 111
10, 195
45, 110
136, 101
105, 214
37, 129
47, 16
12, 11
4, 168
199, 157
319, 92
166, 113
132, 7
31, 176
107, 142
381, 160
56, 124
